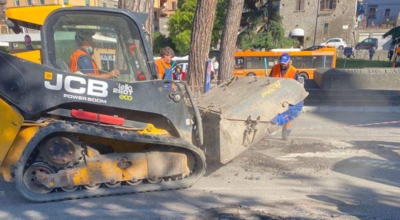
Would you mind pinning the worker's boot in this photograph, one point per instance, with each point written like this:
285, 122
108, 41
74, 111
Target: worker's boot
285, 133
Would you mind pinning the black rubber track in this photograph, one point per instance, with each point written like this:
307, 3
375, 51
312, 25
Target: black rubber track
111, 133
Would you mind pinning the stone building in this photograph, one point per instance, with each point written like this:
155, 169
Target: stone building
379, 13
313, 22
375, 18
163, 9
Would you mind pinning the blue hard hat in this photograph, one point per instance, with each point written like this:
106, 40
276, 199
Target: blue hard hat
285, 57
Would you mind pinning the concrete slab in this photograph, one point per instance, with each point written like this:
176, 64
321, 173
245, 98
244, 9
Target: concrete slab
366, 79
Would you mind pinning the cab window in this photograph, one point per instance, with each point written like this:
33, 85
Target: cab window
97, 43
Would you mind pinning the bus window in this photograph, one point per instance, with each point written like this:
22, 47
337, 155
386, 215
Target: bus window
239, 63
319, 61
302, 62
329, 62
254, 63
272, 61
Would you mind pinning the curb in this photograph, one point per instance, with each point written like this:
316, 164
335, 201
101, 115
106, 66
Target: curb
318, 109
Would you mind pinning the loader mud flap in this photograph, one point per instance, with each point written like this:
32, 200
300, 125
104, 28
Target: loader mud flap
10, 123
77, 128
237, 114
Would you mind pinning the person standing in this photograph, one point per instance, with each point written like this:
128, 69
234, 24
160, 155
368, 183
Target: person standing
285, 70
371, 53
216, 66
390, 54
164, 67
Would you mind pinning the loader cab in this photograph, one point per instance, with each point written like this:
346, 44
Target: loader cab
117, 42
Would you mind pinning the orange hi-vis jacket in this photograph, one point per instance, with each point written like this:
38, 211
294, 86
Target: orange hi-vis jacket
277, 72
161, 67
73, 63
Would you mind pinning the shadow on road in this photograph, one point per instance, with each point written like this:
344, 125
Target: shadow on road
363, 203
173, 205
385, 171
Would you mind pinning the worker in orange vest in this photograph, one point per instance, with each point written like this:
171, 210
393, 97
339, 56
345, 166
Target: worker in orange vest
81, 60
164, 64
285, 70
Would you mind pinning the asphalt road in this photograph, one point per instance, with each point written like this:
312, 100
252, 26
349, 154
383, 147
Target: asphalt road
328, 170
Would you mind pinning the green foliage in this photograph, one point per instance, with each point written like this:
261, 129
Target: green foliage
4, 49
180, 24
395, 34
262, 32
358, 63
160, 41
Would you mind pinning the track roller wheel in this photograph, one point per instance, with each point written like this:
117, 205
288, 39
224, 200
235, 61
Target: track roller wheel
92, 186
70, 189
154, 180
134, 182
113, 185
30, 177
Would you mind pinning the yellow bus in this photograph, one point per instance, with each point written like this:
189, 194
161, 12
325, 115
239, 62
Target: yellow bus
253, 63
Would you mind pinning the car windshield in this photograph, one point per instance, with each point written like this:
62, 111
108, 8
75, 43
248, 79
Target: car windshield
115, 44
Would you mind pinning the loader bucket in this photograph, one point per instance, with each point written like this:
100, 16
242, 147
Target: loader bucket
237, 114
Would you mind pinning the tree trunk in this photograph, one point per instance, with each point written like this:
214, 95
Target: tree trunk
200, 43
145, 6
229, 38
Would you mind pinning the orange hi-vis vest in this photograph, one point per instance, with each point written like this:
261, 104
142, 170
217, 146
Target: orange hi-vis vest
291, 73
73, 63
161, 67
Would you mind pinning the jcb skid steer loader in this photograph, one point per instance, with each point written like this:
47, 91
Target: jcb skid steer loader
65, 135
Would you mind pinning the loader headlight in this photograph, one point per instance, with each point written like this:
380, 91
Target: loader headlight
175, 96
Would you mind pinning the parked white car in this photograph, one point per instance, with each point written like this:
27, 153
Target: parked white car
335, 42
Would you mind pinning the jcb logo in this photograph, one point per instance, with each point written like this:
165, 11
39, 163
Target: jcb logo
78, 85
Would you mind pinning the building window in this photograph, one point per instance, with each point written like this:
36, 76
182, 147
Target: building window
16, 2
66, 2
28, 2
372, 12
300, 5
327, 4
173, 6
87, 2
155, 15
104, 4
326, 27
387, 12
42, 2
